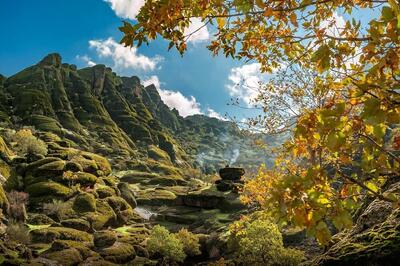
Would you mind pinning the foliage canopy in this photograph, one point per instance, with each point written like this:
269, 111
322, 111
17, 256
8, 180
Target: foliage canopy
345, 143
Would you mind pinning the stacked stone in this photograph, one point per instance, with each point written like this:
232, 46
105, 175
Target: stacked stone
230, 179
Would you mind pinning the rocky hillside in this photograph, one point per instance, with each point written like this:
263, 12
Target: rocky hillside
94, 109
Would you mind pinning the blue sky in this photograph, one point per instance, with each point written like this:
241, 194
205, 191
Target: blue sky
85, 32
32, 29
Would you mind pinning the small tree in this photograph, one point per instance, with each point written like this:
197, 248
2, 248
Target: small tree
259, 242
189, 241
163, 243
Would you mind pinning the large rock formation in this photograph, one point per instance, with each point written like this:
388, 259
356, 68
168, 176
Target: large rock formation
94, 109
373, 240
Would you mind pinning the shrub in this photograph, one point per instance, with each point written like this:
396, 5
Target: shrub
27, 143
189, 241
259, 242
162, 242
18, 201
57, 208
18, 232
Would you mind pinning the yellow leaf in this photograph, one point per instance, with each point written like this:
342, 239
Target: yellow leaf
268, 12
293, 19
221, 22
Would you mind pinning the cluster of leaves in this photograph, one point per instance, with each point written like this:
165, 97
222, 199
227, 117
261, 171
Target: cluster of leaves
190, 242
27, 143
337, 91
259, 242
172, 247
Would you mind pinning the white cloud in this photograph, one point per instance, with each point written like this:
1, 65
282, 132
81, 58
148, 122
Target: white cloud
126, 8
123, 57
185, 105
86, 59
334, 25
174, 99
130, 9
152, 80
244, 82
198, 30
213, 113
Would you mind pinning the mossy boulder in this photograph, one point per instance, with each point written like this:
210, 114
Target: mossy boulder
127, 194
103, 239
5, 152
105, 191
118, 203
51, 169
39, 219
103, 217
82, 247
119, 253
48, 235
35, 165
65, 257
73, 167
77, 223
157, 154
96, 261
373, 240
133, 177
82, 178
102, 163
156, 196
84, 202
48, 188
4, 204
164, 181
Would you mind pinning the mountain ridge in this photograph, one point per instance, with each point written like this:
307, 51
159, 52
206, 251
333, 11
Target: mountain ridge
98, 110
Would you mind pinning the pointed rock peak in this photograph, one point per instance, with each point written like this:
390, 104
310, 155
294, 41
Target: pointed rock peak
131, 81
51, 60
151, 88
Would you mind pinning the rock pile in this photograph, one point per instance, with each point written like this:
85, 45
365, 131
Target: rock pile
230, 179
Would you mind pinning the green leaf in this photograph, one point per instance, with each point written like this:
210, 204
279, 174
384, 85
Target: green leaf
387, 13
322, 57
398, 21
372, 186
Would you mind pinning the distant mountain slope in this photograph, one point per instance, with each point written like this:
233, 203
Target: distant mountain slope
97, 110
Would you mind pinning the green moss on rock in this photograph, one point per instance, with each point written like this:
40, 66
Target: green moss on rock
103, 217
84, 202
77, 223
49, 188
48, 235
4, 204
118, 253
65, 257
103, 239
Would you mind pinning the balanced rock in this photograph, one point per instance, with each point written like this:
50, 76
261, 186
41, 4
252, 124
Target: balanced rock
231, 173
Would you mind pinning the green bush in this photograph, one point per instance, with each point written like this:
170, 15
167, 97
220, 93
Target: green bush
27, 143
259, 242
189, 241
162, 242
